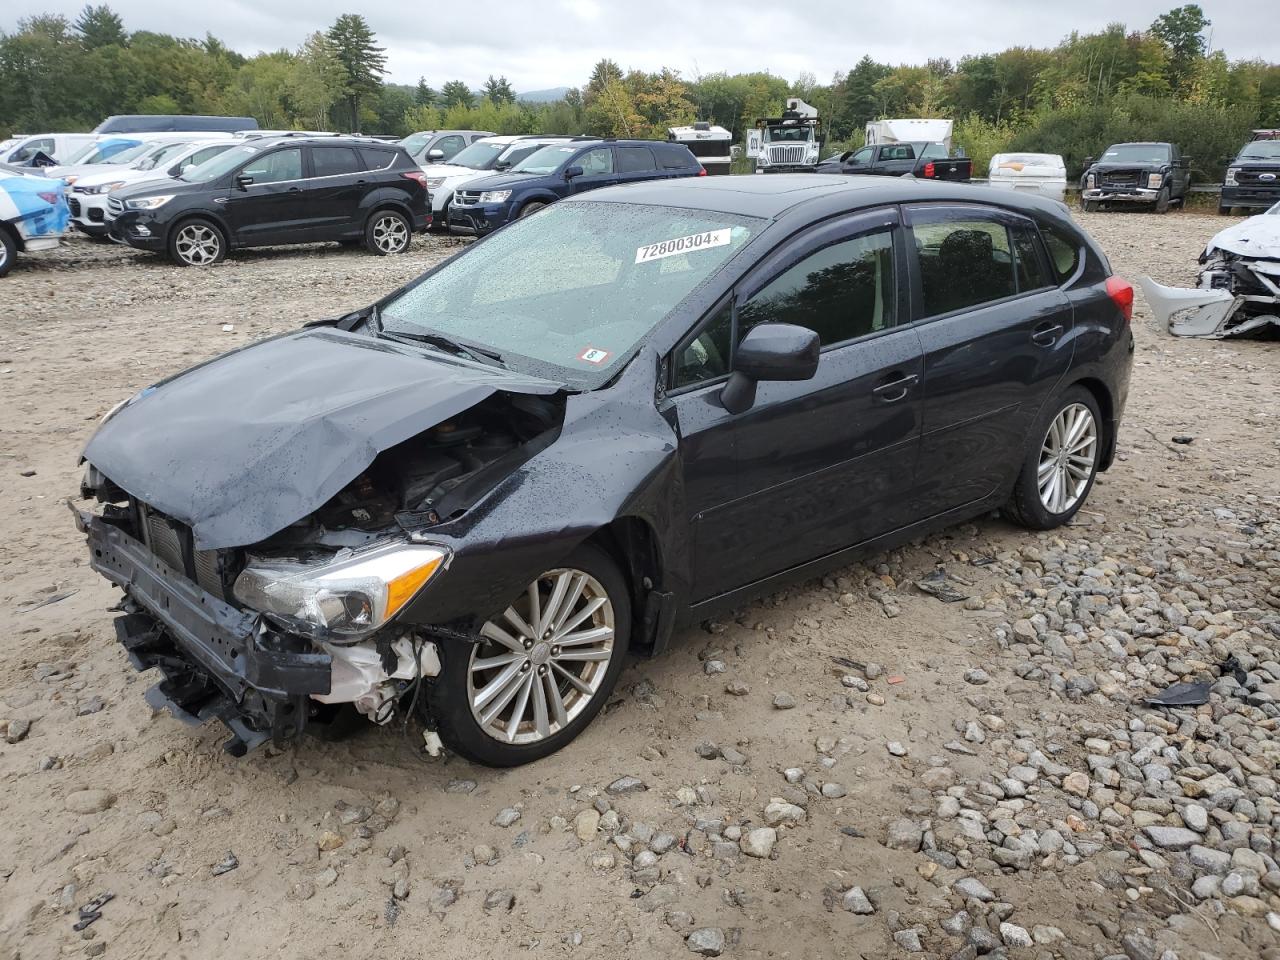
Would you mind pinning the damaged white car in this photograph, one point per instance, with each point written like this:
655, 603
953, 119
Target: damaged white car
1239, 288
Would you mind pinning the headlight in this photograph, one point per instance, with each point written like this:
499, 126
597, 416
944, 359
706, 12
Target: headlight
1231, 176
104, 187
350, 596
433, 183
1154, 180
70, 180
148, 203
494, 196
1089, 181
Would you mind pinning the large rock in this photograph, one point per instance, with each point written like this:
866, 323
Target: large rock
707, 942
89, 801
1171, 838
905, 835
855, 901
759, 842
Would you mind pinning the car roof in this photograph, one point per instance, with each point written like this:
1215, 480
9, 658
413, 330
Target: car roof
772, 196
323, 141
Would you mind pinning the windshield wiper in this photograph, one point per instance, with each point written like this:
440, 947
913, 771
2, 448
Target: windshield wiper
441, 342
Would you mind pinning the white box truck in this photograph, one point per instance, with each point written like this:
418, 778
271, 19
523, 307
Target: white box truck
910, 131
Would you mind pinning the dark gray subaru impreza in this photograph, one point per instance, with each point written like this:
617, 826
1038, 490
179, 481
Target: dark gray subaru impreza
474, 498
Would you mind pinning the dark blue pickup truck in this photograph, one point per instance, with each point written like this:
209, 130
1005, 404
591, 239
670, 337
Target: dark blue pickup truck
929, 161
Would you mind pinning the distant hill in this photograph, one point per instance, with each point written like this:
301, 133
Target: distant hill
543, 96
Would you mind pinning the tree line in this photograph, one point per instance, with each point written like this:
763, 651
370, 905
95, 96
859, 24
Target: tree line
1158, 83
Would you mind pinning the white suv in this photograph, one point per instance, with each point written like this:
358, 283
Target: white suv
482, 159
87, 198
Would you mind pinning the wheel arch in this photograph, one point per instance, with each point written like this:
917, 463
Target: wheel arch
634, 545
209, 216
12, 232
1107, 407
535, 197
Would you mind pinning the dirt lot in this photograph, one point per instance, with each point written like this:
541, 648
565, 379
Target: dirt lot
982, 772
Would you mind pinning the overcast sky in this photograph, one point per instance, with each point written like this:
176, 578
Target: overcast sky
550, 43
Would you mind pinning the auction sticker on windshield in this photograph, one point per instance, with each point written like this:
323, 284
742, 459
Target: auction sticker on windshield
696, 241
594, 355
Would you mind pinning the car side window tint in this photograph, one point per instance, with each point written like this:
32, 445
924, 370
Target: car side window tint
706, 356
450, 145
208, 153
675, 157
275, 167
335, 161
934, 151
596, 162
1064, 254
1031, 271
635, 160
840, 292
963, 263
899, 151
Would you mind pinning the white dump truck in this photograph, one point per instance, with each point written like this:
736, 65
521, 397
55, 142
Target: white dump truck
792, 142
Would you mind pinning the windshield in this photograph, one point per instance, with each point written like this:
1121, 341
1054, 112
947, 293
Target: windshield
1261, 150
569, 293
160, 157
1136, 153
416, 141
217, 166
787, 134
79, 155
479, 156
546, 160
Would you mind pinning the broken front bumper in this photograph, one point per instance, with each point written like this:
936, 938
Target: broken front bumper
217, 661
1123, 194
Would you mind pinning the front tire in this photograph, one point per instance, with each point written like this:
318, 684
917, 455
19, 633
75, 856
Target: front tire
197, 243
1091, 206
529, 209
1061, 464
545, 669
1162, 200
8, 252
387, 232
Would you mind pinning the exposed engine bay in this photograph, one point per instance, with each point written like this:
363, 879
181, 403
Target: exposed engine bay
1238, 291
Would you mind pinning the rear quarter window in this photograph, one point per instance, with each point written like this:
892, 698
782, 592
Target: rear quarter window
377, 159
675, 157
1064, 253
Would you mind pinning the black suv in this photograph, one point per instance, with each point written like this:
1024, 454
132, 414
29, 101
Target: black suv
1253, 177
564, 169
1147, 173
278, 190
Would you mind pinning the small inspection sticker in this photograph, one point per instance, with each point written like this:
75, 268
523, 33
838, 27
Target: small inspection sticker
695, 241
594, 355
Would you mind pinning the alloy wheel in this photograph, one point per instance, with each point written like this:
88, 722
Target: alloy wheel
1068, 457
197, 244
544, 660
390, 235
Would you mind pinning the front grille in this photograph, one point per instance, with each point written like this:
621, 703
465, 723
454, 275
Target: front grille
74, 205
466, 198
172, 543
165, 538
1120, 178
1255, 177
786, 154
95, 214
116, 206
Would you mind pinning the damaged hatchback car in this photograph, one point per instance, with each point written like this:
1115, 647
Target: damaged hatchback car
470, 501
1239, 287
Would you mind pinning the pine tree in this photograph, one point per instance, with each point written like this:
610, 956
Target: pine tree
498, 91
456, 93
363, 62
424, 96
100, 27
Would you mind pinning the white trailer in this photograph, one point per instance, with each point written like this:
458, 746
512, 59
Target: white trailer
910, 131
712, 145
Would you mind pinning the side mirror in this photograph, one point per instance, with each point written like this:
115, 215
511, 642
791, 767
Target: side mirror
573, 172
1185, 163
770, 351
244, 181
502, 165
435, 155
1089, 162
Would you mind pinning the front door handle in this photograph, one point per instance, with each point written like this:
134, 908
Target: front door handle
896, 387
1046, 336
295, 189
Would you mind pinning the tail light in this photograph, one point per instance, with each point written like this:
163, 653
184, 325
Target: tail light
48, 196
1121, 293
702, 171
417, 176
928, 170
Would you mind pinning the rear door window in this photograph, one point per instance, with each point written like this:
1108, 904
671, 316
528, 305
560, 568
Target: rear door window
897, 151
635, 160
964, 262
335, 161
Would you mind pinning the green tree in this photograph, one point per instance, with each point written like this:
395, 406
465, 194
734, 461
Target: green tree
1182, 30
603, 73
363, 62
423, 95
317, 82
498, 91
100, 27
456, 93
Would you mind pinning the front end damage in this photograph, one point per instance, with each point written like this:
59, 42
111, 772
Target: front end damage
268, 627
1238, 291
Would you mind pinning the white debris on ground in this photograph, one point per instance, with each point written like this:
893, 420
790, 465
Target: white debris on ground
851, 767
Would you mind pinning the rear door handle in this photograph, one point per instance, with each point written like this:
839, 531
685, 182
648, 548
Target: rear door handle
1046, 336
895, 388
295, 189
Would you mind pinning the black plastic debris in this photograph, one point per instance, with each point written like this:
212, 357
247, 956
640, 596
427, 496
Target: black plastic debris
936, 585
92, 910
1182, 695
1231, 667
1183, 439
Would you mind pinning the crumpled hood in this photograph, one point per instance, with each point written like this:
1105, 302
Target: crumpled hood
1254, 237
252, 441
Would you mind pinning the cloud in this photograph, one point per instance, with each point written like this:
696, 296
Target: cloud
538, 45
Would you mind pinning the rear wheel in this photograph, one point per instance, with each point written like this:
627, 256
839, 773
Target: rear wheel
387, 232
544, 669
8, 252
1061, 464
197, 243
529, 209
1224, 211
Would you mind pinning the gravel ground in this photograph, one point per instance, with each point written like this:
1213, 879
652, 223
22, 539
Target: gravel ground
850, 768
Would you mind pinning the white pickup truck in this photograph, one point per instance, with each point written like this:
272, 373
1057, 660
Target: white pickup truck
482, 159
